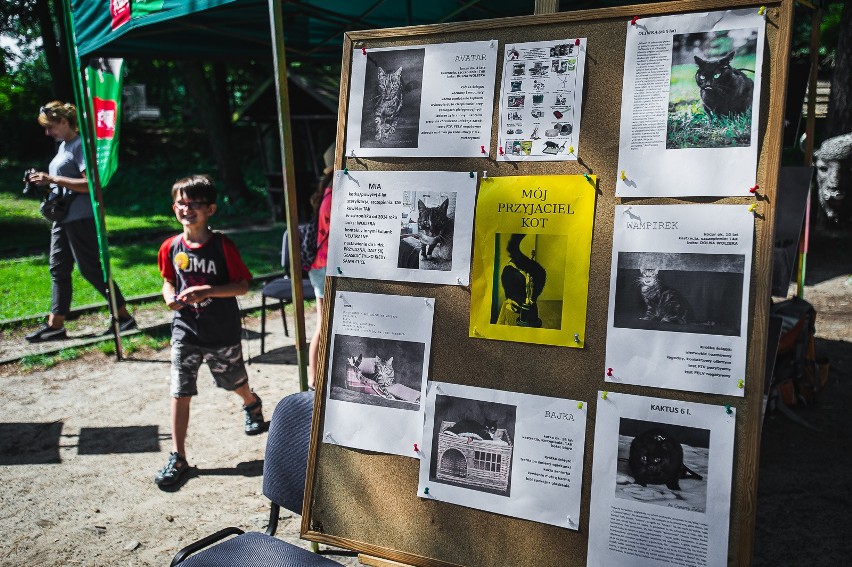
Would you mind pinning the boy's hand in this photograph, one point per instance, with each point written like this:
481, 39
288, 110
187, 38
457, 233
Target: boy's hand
194, 294
176, 304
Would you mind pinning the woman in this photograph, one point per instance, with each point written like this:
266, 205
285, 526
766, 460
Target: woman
74, 238
321, 203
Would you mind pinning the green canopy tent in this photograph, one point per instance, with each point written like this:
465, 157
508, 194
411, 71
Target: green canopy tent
311, 30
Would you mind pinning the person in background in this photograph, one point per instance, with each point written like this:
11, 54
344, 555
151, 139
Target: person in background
74, 238
321, 203
203, 274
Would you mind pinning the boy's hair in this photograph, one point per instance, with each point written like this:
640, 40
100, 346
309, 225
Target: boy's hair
196, 188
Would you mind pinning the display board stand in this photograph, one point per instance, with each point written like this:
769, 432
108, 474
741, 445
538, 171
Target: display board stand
368, 501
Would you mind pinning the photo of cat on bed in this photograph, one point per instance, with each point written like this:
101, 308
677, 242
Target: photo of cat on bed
392, 92
680, 292
712, 89
426, 232
377, 372
472, 444
663, 464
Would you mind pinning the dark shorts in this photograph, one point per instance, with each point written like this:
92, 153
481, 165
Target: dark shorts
225, 364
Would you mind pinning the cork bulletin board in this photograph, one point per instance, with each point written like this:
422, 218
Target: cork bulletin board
368, 501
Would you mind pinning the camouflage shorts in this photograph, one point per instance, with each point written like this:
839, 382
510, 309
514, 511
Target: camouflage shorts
225, 364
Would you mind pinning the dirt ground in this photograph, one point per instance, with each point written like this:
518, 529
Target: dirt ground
80, 444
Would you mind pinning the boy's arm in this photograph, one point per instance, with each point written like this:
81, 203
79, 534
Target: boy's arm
198, 293
169, 296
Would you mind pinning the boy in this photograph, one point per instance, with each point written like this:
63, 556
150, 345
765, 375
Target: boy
202, 275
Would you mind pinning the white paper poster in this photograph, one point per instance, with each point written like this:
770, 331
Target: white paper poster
405, 226
377, 371
541, 98
661, 483
678, 297
514, 454
422, 100
690, 105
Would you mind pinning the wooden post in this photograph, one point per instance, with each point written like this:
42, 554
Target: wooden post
546, 6
285, 133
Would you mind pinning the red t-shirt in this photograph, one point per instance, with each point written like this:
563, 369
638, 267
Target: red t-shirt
323, 226
215, 321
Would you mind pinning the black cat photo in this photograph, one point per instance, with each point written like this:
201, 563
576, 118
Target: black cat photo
662, 463
529, 280
473, 444
712, 89
428, 226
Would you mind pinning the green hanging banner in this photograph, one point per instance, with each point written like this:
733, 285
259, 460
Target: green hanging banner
142, 8
104, 78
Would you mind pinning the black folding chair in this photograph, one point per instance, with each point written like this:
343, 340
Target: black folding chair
284, 471
282, 290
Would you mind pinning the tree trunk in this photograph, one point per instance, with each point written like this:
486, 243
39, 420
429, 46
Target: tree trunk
840, 102
54, 50
217, 126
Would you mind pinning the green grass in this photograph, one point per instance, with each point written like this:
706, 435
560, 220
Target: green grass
157, 340
25, 282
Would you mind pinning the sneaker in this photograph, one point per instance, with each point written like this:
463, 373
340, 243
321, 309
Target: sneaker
47, 333
254, 417
123, 325
173, 471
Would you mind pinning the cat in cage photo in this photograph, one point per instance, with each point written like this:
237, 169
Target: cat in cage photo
393, 86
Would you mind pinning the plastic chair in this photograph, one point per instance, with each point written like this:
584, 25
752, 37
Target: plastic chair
282, 290
284, 472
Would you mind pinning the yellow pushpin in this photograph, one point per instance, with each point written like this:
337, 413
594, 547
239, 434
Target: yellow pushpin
623, 175
579, 405
740, 384
752, 207
570, 149
603, 394
762, 10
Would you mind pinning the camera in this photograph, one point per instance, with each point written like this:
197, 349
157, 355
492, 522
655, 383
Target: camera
30, 188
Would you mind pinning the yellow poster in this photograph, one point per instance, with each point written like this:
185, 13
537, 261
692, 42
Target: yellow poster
533, 239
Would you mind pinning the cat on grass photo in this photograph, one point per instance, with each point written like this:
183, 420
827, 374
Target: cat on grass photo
712, 89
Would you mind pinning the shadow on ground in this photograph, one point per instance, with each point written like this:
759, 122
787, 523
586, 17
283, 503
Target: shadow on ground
803, 496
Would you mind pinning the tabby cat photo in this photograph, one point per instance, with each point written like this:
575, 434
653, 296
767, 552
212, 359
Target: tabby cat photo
392, 89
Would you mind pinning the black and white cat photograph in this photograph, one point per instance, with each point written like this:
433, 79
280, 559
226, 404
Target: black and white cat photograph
680, 292
392, 91
530, 269
377, 372
427, 230
711, 92
472, 444
663, 464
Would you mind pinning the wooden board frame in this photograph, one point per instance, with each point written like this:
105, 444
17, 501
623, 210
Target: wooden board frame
368, 501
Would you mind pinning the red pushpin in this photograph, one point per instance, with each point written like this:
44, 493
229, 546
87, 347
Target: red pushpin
363, 51
482, 149
416, 450
633, 20
754, 189
500, 149
609, 371
577, 41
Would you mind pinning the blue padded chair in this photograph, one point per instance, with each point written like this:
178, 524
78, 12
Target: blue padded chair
284, 471
282, 290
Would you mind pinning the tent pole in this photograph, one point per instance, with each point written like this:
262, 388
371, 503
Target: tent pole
810, 134
87, 132
285, 133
